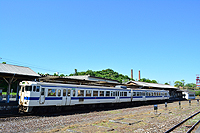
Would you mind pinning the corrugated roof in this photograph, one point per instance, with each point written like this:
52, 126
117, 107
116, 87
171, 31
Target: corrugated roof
145, 84
19, 70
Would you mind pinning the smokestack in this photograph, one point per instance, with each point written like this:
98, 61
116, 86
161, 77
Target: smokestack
132, 73
139, 74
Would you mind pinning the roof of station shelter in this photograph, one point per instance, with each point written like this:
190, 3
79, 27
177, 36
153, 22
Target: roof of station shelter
84, 80
7, 70
150, 85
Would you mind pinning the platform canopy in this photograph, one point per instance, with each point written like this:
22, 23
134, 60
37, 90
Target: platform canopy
146, 85
12, 73
20, 72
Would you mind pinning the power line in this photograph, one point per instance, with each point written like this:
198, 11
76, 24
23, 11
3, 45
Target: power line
29, 65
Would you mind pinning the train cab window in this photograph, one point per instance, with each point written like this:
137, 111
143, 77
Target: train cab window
95, 93
28, 88
165, 94
42, 91
88, 93
107, 93
34, 88
64, 92
23, 89
38, 89
80, 93
69, 92
125, 93
101, 93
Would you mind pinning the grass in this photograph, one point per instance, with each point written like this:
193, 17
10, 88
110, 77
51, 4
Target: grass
13, 93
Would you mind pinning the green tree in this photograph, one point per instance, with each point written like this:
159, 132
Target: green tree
62, 75
3, 62
178, 83
190, 85
154, 81
166, 83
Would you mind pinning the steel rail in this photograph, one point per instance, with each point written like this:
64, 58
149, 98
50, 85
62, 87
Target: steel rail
189, 131
171, 129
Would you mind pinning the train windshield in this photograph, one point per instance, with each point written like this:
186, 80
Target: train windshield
28, 88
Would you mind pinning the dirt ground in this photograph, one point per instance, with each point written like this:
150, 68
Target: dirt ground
139, 119
142, 119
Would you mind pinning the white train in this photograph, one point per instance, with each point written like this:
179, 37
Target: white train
41, 94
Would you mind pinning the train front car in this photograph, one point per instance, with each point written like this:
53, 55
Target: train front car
26, 95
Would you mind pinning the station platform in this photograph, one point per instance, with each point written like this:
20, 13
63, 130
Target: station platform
8, 108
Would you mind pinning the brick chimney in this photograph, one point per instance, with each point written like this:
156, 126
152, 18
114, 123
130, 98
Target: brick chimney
132, 73
139, 74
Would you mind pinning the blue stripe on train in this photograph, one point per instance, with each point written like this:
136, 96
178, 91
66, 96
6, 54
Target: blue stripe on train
77, 98
152, 96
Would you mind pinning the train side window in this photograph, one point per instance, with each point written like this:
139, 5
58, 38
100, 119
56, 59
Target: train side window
95, 93
111, 93
64, 92
88, 93
107, 93
74, 93
101, 93
138, 94
80, 93
121, 93
51, 92
34, 88
143, 94
28, 88
38, 89
42, 91
59, 92
114, 93
68, 92
134, 93
125, 93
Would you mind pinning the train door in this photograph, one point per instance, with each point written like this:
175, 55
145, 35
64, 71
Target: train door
42, 96
21, 94
117, 97
144, 96
68, 97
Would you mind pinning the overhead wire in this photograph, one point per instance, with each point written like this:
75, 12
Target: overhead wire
19, 63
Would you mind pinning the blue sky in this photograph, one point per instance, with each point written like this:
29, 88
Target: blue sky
159, 38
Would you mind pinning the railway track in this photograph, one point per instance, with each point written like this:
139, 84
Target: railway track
185, 120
